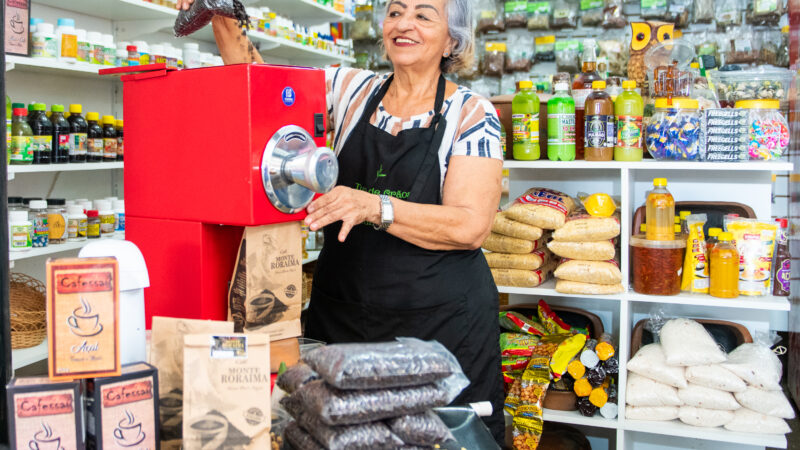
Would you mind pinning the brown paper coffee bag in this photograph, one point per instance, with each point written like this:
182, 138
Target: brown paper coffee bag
226, 402
265, 292
166, 354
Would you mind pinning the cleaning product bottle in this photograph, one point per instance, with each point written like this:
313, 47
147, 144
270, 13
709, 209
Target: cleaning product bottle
525, 119
628, 109
561, 124
660, 212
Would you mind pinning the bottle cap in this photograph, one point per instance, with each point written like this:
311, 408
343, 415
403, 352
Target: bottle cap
784, 223
39, 107
131, 48
677, 220
684, 214
120, 123
74, 210
27, 200
66, 22
643, 228
600, 84
725, 236
20, 112
75, 108
676, 228
694, 65
526, 84
37, 204
56, 201
18, 216
57, 108
659, 182
629, 84
498, 112
102, 205
119, 205
17, 105
714, 232
93, 116
108, 120
91, 213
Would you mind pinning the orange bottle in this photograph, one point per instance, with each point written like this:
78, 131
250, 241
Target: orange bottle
724, 268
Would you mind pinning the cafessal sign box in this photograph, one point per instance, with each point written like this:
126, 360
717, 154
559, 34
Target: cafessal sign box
44, 414
82, 318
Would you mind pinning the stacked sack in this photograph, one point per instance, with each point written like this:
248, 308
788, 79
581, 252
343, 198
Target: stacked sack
688, 377
518, 255
371, 396
586, 244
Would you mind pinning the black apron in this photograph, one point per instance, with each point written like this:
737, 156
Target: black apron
374, 286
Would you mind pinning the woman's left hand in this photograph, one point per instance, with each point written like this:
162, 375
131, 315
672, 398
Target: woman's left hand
351, 206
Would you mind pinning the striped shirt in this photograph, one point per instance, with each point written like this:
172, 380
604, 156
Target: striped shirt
472, 125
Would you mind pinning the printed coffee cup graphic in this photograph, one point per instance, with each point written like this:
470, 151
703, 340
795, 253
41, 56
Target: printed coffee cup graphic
45, 440
171, 409
129, 431
84, 321
264, 309
210, 430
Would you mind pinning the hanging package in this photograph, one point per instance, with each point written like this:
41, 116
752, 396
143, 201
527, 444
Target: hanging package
200, 13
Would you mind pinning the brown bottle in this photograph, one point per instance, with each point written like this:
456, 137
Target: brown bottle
600, 129
781, 270
582, 85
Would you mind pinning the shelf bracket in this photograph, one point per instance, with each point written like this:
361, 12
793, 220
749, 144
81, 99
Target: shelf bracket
9, 66
129, 29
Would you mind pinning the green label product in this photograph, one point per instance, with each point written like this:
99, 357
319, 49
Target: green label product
526, 128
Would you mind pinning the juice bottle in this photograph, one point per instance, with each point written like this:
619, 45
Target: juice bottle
77, 134
42, 143
60, 135
711, 241
660, 212
121, 140
724, 268
21, 149
109, 139
599, 134
525, 120
94, 138
561, 124
628, 109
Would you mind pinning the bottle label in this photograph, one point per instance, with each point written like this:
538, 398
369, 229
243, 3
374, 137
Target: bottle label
94, 146
93, 229
783, 275
526, 128
83, 227
21, 149
40, 231
108, 57
561, 129
42, 144
629, 131
77, 144
110, 148
20, 236
782, 237
120, 221
120, 146
63, 144
579, 95
97, 54
599, 131
57, 226
84, 52
72, 228
69, 46
107, 224
43, 48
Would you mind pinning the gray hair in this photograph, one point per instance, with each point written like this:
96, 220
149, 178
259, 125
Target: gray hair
460, 27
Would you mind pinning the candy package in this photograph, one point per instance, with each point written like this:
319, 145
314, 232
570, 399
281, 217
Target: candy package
200, 13
552, 323
517, 344
538, 15
516, 322
755, 242
565, 15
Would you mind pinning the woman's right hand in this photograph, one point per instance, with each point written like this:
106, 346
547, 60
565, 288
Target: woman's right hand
184, 4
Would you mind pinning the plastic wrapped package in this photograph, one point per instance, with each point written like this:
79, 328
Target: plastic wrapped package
707, 45
424, 429
565, 15
295, 377
771, 403
490, 17
518, 323
744, 47
728, 13
703, 11
643, 391
704, 397
770, 42
765, 12
568, 54
585, 251
783, 48
654, 9
596, 272
517, 344
755, 241
522, 278
531, 261
703, 417
299, 439
678, 12
494, 58
757, 365
686, 343
545, 48
617, 52
539, 15
541, 207
404, 362
591, 12
749, 421
507, 227
651, 412
613, 16
366, 436
583, 227
716, 377
519, 54
515, 13
200, 13
363, 28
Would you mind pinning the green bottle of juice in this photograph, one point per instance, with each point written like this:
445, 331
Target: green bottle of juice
561, 124
628, 109
525, 121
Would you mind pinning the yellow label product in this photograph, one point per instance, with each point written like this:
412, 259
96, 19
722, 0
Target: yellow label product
695, 265
755, 242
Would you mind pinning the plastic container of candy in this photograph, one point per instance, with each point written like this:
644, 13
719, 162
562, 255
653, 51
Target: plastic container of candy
761, 83
673, 133
768, 129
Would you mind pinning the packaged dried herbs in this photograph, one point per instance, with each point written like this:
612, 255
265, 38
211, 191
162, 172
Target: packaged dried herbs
565, 14
545, 48
568, 56
494, 59
519, 57
490, 16
728, 13
744, 48
654, 9
765, 12
591, 12
770, 40
539, 15
516, 13
363, 28
617, 52
613, 16
703, 11
678, 12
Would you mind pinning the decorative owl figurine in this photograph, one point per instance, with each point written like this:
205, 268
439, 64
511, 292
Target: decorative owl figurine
644, 36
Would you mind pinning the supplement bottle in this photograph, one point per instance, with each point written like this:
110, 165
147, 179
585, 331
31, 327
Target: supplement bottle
92, 224
525, 120
119, 213
84, 48
109, 139
44, 41
120, 140
660, 212
20, 230
67, 40
107, 218
61, 132
77, 134
724, 268
56, 220
599, 133
21, 149
42, 142
94, 138
96, 51
628, 109
109, 49
77, 223
561, 124
38, 215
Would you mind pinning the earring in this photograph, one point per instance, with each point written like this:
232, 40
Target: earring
446, 54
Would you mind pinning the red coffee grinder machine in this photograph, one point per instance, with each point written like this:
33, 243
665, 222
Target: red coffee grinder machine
210, 151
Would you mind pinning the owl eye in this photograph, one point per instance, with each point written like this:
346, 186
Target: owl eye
666, 36
665, 32
641, 33
640, 37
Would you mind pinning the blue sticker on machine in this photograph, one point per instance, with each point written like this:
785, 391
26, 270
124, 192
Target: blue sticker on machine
288, 96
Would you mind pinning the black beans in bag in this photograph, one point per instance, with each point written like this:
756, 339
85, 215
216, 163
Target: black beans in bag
200, 13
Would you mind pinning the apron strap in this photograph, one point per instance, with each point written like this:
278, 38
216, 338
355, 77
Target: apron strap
373, 103
439, 124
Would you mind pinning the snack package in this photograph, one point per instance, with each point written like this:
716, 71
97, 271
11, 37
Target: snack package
599, 395
516, 13
541, 207
591, 12
538, 16
520, 230
568, 54
565, 15
552, 323
582, 227
489, 17
513, 397
586, 408
755, 242
582, 387
565, 353
517, 344
516, 322
530, 261
528, 422
695, 277
494, 58
545, 48
511, 364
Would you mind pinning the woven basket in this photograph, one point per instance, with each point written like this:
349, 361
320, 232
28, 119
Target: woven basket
28, 311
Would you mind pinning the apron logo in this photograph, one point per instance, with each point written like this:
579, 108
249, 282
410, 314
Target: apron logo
380, 173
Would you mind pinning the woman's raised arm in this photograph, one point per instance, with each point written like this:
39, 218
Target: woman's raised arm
234, 45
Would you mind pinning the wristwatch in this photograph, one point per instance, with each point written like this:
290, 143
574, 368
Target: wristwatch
387, 213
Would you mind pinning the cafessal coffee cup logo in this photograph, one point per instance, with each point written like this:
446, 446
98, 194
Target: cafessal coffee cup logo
128, 432
84, 322
45, 439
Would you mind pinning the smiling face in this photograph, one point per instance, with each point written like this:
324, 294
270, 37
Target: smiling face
415, 33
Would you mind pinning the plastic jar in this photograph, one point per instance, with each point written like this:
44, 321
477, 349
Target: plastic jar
657, 265
76, 224
119, 213
67, 40
84, 48
108, 222
37, 214
92, 224
191, 55
144, 52
44, 41
767, 128
96, 49
157, 55
133, 55
109, 49
57, 220
121, 58
19, 231
673, 133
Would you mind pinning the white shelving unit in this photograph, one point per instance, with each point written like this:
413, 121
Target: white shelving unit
747, 182
57, 248
27, 356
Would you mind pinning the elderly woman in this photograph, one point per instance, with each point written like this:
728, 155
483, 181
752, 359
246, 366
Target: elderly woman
419, 183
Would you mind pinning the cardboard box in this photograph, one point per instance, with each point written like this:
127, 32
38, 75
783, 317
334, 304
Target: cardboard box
122, 411
283, 351
82, 318
43, 414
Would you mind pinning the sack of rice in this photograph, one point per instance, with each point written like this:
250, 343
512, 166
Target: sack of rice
507, 227
585, 251
521, 278
596, 272
530, 261
543, 208
507, 244
576, 287
581, 227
